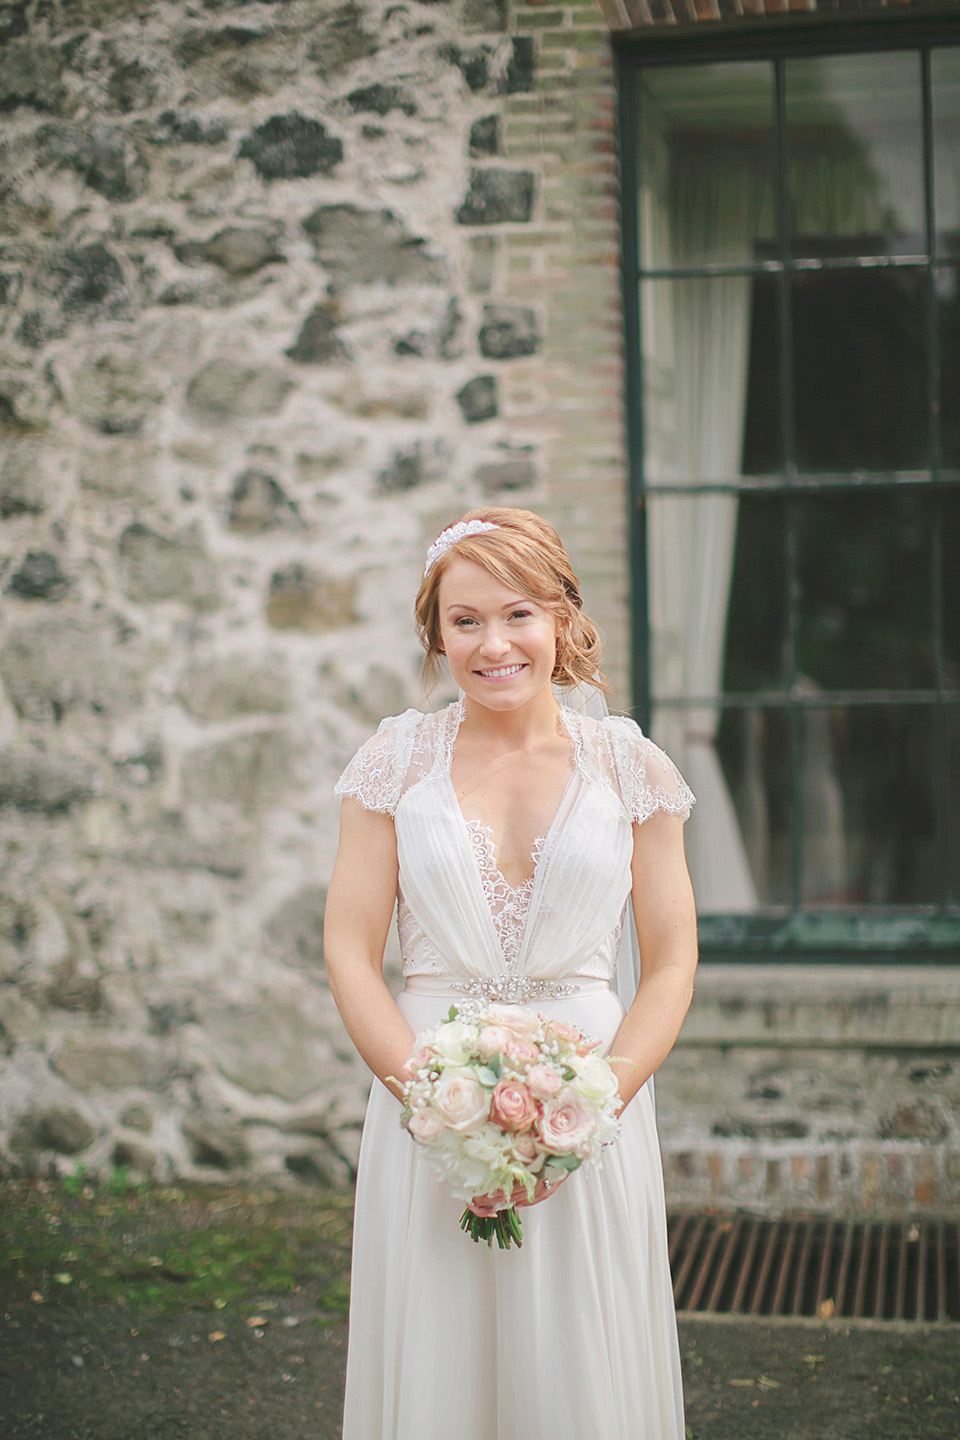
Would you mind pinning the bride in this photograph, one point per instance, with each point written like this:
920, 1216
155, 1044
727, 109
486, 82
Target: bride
513, 832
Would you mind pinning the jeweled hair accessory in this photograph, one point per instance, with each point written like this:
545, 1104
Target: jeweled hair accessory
451, 536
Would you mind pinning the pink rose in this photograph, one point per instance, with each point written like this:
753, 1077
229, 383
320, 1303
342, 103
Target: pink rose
492, 1040
521, 1052
560, 1030
515, 1018
425, 1124
567, 1124
512, 1106
527, 1150
418, 1059
461, 1100
544, 1081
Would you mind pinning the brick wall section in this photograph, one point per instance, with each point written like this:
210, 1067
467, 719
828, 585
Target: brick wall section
568, 265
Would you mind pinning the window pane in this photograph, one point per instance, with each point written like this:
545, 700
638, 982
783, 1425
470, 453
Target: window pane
695, 338
945, 86
866, 609
855, 164
762, 433
948, 310
706, 147
869, 817
753, 747
860, 370
757, 620
951, 589
953, 806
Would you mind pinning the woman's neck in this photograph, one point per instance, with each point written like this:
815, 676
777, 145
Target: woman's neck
517, 729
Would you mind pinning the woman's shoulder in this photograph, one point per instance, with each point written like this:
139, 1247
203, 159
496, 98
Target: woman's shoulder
643, 774
377, 774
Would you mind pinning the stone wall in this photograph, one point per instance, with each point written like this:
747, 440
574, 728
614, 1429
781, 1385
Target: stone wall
822, 1088
286, 287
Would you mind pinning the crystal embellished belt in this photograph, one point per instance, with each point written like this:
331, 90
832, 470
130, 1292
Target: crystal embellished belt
513, 989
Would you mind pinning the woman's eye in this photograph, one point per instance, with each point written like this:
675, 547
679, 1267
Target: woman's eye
521, 614
463, 622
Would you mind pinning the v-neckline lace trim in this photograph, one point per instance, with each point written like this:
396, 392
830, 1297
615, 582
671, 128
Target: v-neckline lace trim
509, 904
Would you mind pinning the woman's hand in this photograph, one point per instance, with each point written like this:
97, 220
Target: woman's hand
484, 1205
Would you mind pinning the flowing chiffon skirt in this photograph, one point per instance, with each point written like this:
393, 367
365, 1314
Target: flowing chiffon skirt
571, 1338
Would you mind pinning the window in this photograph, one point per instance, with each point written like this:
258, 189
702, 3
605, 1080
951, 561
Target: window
794, 342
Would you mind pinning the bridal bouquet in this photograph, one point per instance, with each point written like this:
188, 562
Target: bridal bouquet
500, 1097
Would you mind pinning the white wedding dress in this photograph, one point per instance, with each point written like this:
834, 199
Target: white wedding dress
573, 1337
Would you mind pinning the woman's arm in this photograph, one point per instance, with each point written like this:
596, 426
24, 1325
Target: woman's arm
359, 909
666, 920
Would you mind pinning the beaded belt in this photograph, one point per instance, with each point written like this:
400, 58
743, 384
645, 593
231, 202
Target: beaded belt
510, 989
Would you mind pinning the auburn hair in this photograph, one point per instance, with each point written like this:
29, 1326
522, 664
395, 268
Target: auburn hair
525, 553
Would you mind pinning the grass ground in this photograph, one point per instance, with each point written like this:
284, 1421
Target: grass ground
220, 1314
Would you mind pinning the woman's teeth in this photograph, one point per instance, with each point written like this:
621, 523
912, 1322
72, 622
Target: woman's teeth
502, 670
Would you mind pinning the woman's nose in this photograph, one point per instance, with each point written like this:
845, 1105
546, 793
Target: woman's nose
494, 641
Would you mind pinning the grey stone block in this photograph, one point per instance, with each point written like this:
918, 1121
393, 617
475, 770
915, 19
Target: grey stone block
238, 249
367, 247
61, 1128
226, 390
478, 399
292, 147
302, 599
497, 196
161, 568
318, 342
507, 331
38, 577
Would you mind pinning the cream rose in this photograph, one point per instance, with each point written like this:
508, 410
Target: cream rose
492, 1040
567, 1125
455, 1041
461, 1100
595, 1080
515, 1018
425, 1124
512, 1106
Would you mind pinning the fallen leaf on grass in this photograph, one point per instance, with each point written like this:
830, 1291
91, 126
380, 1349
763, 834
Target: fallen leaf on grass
256, 1320
814, 1359
739, 1382
36, 1297
216, 1335
766, 1383
826, 1308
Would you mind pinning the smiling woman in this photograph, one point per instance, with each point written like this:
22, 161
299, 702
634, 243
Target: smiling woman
511, 833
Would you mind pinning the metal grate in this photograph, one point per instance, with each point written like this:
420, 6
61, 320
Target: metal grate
854, 1269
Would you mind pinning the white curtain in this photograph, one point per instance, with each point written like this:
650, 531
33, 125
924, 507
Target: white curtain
696, 350
707, 204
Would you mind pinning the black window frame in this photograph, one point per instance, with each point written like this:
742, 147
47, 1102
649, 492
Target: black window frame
868, 935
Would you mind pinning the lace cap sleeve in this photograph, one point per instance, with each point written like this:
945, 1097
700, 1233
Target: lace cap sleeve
376, 774
649, 780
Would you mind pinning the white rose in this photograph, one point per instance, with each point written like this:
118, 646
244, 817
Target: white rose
490, 1146
595, 1080
461, 1100
455, 1041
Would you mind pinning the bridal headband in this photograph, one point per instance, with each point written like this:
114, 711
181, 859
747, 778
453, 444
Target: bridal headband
451, 536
